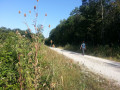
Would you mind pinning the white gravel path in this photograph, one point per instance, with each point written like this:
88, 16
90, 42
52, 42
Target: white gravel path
106, 68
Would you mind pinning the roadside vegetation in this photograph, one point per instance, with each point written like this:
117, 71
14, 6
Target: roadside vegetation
27, 64
70, 75
53, 71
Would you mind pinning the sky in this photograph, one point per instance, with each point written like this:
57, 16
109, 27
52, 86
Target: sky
56, 10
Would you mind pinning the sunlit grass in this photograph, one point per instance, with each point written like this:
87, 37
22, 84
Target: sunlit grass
67, 75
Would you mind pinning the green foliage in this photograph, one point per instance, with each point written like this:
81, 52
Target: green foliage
21, 65
12, 45
18, 68
8, 59
87, 23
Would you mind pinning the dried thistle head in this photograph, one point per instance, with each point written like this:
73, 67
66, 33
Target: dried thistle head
49, 26
19, 12
24, 14
34, 7
46, 14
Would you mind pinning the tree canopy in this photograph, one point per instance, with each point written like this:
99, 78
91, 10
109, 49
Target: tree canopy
97, 23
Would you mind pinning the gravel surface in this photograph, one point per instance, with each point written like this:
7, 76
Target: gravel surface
106, 68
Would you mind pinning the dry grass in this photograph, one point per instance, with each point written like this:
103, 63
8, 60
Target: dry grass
68, 75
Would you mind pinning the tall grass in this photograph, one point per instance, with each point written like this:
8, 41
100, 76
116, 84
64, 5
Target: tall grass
67, 75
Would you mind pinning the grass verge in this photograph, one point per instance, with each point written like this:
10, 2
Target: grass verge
68, 75
111, 53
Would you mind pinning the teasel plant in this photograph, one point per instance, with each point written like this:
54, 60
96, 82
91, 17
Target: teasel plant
32, 74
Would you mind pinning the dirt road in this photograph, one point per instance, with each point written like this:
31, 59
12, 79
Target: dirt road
106, 68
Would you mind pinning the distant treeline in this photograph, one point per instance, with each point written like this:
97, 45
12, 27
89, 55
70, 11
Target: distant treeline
5, 32
97, 23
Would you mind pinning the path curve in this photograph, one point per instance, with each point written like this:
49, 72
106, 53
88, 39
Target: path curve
108, 69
